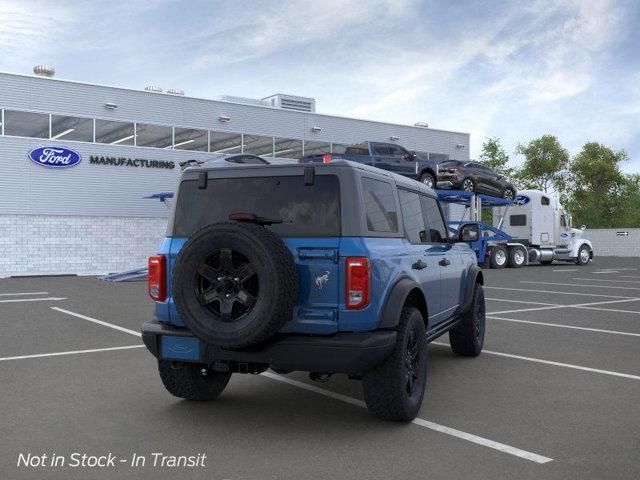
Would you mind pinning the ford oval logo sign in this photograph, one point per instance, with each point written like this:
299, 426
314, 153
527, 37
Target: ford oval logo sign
521, 200
55, 157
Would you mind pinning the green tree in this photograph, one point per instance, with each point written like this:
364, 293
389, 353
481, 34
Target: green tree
495, 157
599, 191
545, 164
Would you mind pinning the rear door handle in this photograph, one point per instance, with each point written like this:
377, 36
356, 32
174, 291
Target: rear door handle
444, 262
419, 265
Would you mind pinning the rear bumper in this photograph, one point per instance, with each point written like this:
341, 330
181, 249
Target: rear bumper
352, 353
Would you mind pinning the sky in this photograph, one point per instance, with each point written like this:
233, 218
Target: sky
514, 70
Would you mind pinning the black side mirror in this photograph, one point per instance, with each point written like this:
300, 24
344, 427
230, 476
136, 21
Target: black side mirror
410, 156
469, 232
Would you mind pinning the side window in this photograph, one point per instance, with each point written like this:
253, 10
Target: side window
396, 151
412, 216
379, 206
563, 221
381, 149
517, 220
436, 230
544, 200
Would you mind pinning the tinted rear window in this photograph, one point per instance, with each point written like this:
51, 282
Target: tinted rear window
306, 211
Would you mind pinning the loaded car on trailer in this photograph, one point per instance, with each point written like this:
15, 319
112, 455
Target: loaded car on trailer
387, 156
329, 268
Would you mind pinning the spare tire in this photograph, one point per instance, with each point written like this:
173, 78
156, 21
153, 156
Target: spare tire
234, 284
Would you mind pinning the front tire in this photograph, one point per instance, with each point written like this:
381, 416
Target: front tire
394, 389
192, 381
584, 255
428, 180
467, 337
508, 194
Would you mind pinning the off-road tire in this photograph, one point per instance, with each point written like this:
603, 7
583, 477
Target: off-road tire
276, 275
385, 386
512, 261
427, 176
467, 337
192, 381
494, 260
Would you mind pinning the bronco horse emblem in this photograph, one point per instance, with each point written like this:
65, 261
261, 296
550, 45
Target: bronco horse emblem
321, 280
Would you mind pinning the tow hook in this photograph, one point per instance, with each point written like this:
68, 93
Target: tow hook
319, 377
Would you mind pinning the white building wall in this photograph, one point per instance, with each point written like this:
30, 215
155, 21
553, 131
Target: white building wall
55, 245
614, 242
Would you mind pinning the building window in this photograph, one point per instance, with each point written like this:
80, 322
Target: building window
26, 124
258, 145
287, 148
72, 128
157, 136
190, 139
312, 147
114, 133
224, 142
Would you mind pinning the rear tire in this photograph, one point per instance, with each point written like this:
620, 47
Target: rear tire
192, 381
517, 257
498, 257
467, 337
428, 180
468, 185
394, 389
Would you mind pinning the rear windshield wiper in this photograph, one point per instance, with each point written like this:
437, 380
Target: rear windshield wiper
253, 218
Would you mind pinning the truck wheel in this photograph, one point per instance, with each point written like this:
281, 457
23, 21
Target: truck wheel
192, 381
235, 284
498, 257
467, 337
428, 180
394, 389
517, 257
468, 185
583, 255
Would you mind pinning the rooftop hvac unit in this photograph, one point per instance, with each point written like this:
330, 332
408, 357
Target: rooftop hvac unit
244, 100
292, 102
175, 91
153, 88
44, 71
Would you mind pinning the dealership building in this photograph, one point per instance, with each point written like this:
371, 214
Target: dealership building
77, 161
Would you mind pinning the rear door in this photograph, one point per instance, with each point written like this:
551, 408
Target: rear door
444, 255
424, 262
381, 156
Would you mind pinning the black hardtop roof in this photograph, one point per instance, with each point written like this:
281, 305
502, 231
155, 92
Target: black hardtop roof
399, 180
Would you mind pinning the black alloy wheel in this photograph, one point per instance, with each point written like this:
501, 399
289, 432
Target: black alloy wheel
228, 289
467, 185
412, 363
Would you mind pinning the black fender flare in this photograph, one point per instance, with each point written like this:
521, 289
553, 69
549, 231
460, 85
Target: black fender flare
429, 170
395, 301
473, 276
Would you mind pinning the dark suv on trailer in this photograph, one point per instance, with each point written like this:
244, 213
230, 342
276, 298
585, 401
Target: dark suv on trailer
329, 268
474, 177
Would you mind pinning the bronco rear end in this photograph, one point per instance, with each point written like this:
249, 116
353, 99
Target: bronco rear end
255, 273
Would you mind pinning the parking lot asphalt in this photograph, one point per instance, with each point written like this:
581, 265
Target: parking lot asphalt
554, 395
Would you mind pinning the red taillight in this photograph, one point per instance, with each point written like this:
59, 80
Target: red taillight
157, 278
358, 282
326, 158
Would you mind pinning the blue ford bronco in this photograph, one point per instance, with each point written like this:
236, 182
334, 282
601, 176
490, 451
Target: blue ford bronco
322, 268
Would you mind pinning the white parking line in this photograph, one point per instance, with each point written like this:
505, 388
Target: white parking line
615, 310
519, 301
566, 270
99, 322
559, 325
577, 305
45, 299
527, 310
604, 280
556, 292
23, 293
72, 352
578, 285
555, 364
485, 442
